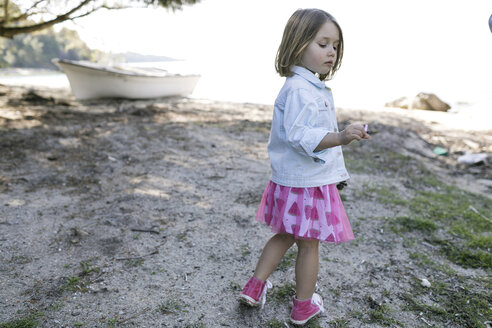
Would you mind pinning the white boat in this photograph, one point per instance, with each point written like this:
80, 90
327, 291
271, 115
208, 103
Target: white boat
90, 81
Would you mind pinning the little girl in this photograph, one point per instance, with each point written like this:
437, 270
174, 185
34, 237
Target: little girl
301, 203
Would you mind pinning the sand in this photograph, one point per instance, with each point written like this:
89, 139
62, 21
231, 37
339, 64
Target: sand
140, 213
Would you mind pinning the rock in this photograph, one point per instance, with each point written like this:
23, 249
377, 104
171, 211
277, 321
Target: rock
402, 102
425, 283
433, 102
419, 102
425, 101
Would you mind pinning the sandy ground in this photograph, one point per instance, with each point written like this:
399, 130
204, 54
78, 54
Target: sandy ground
140, 213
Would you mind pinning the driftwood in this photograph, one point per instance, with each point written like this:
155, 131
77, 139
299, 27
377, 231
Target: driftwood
141, 229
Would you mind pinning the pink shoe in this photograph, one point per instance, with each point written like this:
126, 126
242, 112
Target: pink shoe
303, 311
254, 290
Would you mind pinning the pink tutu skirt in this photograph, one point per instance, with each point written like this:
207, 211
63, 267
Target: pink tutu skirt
306, 213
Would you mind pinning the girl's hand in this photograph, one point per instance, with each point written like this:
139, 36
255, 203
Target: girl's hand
353, 132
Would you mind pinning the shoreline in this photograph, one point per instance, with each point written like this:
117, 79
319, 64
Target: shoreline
472, 117
211, 86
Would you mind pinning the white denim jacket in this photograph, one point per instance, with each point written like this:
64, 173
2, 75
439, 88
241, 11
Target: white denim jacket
303, 114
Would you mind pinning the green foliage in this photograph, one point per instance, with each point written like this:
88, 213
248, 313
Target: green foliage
38, 49
171, 4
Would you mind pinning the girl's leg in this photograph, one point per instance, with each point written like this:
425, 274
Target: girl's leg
272, 254
306, 268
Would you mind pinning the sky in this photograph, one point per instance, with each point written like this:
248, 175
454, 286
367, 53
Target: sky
392, 48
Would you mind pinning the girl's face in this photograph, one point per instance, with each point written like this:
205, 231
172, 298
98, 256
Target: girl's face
321, 53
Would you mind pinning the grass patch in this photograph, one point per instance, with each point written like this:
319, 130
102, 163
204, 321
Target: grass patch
172, 307
20, 323
74, 284
340, 323
282, 293
461, 215
424, 261
112, 322
454, 302
387, 195
81, 280
380, 315
376, 313
86, 268
133, 263
28, 321
245, 250
375, 158
274, 323
378, 160
406, 224
449, 204
464, 255
235, 286
382, 194
456, 222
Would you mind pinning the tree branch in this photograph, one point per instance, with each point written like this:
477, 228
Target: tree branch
9, 32
34, 5
6, 10
14, 19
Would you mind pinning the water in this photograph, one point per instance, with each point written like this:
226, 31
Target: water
33, 78
218, 84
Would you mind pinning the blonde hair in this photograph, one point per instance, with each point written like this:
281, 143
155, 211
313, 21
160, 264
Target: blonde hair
300, 30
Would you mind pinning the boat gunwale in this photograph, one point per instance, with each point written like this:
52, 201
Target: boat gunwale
129, 74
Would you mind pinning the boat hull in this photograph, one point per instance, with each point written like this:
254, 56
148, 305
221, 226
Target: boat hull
89, 82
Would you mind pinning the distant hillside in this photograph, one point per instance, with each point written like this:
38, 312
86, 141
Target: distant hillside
36, 50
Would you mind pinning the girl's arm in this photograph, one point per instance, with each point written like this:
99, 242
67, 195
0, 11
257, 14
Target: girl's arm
351, 132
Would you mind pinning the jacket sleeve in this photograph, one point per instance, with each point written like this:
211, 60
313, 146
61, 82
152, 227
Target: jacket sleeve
301, 117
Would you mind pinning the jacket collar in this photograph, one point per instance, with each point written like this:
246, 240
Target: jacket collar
308, 75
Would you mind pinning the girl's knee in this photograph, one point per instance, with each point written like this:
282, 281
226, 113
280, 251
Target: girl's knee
285, 237
305, 243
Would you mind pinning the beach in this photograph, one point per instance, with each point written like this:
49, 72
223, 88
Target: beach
119, 213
